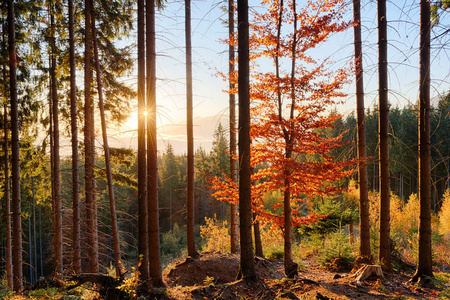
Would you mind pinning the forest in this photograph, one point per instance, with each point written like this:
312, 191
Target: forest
327, 174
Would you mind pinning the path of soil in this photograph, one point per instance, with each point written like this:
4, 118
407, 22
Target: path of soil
213, 277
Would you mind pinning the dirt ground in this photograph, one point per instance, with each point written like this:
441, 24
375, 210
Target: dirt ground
213, 277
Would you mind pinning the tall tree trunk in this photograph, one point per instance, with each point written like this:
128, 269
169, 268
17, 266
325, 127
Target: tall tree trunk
257, 232
9, 266
34, 231
57, 214
142, 163
289, 266
74, 133
364, 247
15, 167
112, 201
385, 245
91, 207
152, 155
41, 254
247, 266
192, 251
30, 246
233, 207
424, 266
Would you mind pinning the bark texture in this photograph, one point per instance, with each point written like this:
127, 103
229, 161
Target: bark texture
385, 244
192, 251
142, 162
91, 206
152, 155
9, 265
247, 267
56, 181
112, 201
76, 245
15, 167
233, 207
424, 265
364, 248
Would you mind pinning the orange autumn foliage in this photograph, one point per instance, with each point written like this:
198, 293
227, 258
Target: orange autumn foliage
291, 99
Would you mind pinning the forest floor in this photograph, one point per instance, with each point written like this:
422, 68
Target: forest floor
213, 277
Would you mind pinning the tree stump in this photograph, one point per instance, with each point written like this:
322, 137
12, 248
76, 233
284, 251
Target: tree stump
368, 270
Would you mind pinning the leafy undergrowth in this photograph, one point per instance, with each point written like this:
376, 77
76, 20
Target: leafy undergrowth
213, 275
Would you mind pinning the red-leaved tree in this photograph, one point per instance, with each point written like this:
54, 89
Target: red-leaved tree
291, 98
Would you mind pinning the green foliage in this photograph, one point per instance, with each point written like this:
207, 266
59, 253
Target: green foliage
442, 277
337, 253
48, 293
336, 216
312, 244
220, 154
276, 254
173, 244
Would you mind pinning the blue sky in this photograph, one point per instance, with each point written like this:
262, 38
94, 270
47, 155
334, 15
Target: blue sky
210, 56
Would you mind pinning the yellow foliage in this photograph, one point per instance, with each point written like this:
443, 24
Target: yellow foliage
397, 220
271, 238
374, 210
411, 212
216, 236
444, 215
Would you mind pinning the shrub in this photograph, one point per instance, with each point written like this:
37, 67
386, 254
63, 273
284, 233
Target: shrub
337, 215
215, 236
271, 239
444, 215
173, 244
276, 255
337, 254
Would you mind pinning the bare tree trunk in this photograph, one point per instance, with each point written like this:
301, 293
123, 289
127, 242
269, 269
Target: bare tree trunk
41, 260
9, 266
192, 251
152, 155
290, 268
15, 158
74, 133
34, 231
385, 245
91, 207
57, 214
364, 247
257, 233
142, 162
30, 246
247, 266
424, 267
233, 207
112, 201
